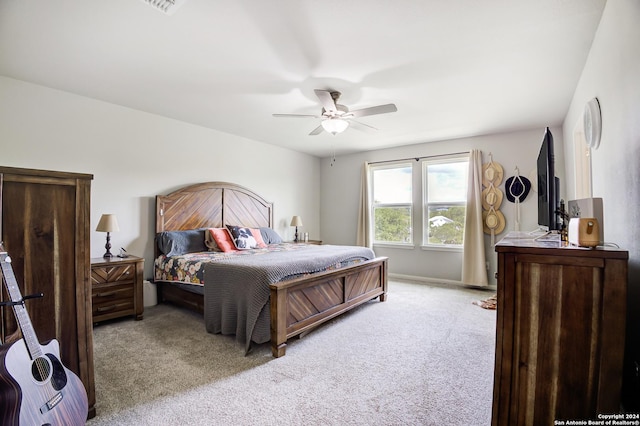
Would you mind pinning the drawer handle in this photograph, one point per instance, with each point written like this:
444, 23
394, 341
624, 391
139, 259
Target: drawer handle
107, 294
106, 308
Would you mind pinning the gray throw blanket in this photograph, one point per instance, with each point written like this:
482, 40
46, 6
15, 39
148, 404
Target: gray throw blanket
236, 291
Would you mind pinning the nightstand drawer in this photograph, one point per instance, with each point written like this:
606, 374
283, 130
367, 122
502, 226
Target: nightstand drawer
111, 292
110, 274
112, 301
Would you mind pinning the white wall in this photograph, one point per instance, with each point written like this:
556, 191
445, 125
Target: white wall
134, 156
612, 75
341, 190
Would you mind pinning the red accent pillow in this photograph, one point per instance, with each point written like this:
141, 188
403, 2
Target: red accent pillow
258, 236
223, 239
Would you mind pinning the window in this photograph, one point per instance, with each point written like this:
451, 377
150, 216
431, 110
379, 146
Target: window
445, 199
392, 203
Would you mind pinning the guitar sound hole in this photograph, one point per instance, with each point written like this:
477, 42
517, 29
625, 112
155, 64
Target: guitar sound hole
41, 369
59, 377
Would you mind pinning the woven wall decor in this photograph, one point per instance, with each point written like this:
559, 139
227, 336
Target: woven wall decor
492, 218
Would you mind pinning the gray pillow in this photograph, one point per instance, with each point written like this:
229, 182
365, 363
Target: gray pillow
175, 243
270, 236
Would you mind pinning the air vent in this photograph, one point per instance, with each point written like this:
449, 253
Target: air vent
166, 6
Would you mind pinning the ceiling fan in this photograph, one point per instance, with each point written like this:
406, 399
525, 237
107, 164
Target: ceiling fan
336, 118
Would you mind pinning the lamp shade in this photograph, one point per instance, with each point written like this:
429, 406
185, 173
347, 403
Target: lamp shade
335, 125
108, 223
296, 221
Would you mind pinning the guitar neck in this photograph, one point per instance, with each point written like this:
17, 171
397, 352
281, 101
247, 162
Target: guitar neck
22, 316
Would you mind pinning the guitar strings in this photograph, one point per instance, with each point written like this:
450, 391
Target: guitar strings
41, 364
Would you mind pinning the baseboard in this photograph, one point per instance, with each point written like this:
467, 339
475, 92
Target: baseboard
434, 281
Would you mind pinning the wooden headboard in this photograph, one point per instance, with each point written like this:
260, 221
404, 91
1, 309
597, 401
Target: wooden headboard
212, 205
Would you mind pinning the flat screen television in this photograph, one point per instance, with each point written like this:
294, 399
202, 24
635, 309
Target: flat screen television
548, 185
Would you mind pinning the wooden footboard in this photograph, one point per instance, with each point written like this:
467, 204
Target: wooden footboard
301, 304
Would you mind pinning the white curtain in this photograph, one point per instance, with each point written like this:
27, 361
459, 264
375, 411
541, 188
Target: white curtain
474, 270
364, 237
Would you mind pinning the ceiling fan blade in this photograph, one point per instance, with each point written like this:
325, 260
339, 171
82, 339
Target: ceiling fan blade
362, 126
380, 109
296, 115
316, 131
326, 100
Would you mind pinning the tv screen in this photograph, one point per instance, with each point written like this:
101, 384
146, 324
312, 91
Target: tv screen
548, 185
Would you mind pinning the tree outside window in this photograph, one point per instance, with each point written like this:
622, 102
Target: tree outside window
445, 187
392, 203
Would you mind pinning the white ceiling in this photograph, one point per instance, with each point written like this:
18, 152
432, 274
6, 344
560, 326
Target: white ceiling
454, 68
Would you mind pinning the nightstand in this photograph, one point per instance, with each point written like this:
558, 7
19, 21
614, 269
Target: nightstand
116, 287
316, 242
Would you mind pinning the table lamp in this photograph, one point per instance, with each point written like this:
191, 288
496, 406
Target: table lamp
296, 221
108, 223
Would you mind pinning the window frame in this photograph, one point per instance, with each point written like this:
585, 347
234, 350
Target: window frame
409, 204
425, 163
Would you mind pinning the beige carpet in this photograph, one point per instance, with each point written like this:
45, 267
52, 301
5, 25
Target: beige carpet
423, 357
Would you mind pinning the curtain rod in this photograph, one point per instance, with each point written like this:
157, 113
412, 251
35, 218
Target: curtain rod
417, 158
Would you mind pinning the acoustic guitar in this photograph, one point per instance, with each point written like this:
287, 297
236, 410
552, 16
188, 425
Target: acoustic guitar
35, 388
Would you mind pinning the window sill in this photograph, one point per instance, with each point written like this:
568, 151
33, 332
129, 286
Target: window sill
433, 247
395, 246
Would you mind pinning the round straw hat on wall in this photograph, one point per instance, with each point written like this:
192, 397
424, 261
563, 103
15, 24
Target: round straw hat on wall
493, 221
491, 197
492, 173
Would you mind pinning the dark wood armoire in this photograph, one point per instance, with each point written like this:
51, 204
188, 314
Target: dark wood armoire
45, 227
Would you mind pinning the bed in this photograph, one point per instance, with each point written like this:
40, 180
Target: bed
295, 304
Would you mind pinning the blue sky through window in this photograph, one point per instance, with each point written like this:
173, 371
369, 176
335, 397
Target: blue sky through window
447, 182
392, 185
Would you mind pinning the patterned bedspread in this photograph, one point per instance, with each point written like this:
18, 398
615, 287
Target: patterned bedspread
189, 268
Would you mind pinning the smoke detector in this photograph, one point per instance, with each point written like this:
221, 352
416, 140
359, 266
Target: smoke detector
166, 6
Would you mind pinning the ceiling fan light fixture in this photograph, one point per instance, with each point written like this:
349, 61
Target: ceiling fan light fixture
335, 125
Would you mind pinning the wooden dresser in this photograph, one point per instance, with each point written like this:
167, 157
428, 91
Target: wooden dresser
560, 332
45, 221
116, 287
